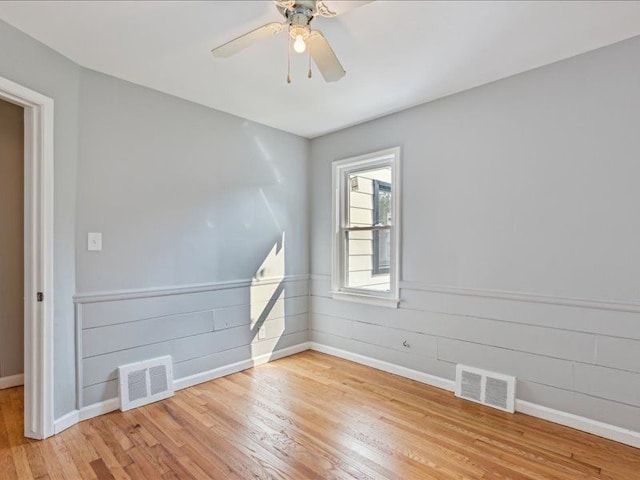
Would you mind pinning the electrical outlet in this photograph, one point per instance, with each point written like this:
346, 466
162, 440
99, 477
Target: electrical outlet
261, 333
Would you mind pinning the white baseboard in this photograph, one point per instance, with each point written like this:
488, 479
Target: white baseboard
12, 381
99, 408
238, 367
601, 429
66, 421
85, 413
422, 377
113, 404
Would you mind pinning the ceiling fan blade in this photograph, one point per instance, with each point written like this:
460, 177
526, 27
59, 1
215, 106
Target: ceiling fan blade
324, 58
284, 4
329, 8
237, 44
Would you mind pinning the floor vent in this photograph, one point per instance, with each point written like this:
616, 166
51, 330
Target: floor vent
488, 388
145, 382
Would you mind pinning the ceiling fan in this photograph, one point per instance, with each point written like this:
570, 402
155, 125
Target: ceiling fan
298, 16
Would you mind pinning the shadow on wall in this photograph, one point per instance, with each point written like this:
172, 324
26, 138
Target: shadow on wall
267, 301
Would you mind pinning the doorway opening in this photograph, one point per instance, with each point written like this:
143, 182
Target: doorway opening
11, 245
35, 257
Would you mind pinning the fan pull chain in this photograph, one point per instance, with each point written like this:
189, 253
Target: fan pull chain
289, 59
309, 74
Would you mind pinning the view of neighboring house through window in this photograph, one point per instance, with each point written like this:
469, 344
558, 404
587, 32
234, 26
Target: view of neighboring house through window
382, 217
368, 240
365, 241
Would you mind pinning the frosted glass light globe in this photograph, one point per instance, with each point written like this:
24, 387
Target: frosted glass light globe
299, 45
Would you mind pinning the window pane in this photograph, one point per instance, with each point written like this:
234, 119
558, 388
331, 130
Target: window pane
381, 251
369, 197
381, 203
363, 262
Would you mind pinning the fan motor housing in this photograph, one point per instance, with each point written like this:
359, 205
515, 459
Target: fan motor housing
299, 15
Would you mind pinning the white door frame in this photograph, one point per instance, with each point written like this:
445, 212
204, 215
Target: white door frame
38, 256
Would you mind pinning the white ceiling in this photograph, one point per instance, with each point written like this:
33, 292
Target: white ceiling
397, 53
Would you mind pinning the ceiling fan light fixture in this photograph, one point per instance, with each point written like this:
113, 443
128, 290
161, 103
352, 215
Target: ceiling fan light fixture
298, 16
300, 34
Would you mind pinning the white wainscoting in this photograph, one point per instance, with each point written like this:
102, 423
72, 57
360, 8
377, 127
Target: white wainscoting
577, 356
202, 327
555, 346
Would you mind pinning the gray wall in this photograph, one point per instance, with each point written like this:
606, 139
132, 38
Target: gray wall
29, 63
184, 195
527, 185
11, 239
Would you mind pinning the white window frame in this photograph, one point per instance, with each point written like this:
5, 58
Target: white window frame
341, 171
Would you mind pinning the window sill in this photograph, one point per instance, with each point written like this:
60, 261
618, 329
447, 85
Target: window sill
367, 299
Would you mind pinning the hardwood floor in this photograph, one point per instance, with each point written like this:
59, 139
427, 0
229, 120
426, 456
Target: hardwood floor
310, 416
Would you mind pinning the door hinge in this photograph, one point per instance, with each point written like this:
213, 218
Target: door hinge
40, 296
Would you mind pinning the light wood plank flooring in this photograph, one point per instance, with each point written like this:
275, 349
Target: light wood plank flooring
310, 416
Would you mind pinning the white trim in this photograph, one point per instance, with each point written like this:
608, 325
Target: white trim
368, 299
612, 432
12, 381
113, 404
66, 421
597, 304
100, 408
601, 429
115, 295
622, 306
340, 168
422, 377
38, 254
198, 378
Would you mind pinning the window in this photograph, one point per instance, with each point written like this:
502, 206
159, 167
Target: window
365, 241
